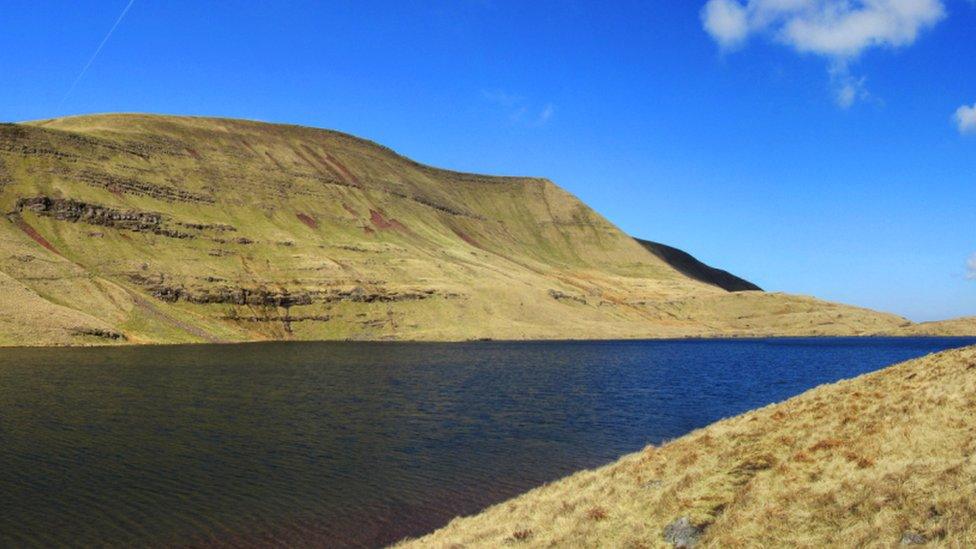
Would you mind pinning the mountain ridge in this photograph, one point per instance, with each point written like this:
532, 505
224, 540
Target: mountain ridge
130, 228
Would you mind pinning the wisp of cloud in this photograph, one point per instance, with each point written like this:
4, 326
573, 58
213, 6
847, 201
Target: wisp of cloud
98, 50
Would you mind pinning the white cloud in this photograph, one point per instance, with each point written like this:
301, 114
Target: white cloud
839, 30
845, 29
971, 268
517, 109
847, 89
726, 21
966, 121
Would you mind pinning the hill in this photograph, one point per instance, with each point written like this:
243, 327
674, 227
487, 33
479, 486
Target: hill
162, 229
881, 460
954, 327
688, 265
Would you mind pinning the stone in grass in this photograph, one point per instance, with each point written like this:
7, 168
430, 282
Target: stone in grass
913, 538
682, 533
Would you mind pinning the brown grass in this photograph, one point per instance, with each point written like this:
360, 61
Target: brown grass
809, 472
596, 513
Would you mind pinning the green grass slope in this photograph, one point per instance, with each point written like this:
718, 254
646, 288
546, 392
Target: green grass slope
142, 229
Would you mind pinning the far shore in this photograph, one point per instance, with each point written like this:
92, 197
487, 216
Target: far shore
730, 337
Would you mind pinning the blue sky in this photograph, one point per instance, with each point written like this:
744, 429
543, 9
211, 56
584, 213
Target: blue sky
810, 149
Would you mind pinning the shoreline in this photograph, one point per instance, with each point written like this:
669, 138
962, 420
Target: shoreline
690, 339
825, 467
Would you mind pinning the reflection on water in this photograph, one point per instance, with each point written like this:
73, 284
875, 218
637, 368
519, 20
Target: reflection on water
311, 444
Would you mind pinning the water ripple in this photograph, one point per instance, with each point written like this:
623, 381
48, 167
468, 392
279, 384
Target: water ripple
349, 444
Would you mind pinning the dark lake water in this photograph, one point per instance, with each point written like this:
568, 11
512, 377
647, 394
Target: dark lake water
333, 444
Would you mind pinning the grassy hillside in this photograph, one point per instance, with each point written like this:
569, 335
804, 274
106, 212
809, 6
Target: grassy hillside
954, 327
136, 228
885, 459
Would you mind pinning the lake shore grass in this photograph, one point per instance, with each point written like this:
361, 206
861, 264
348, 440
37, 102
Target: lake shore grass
96, 342
884, 459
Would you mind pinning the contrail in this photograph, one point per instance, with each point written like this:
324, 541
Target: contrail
94, 55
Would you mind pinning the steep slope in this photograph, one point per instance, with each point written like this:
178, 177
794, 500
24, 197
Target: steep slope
146, 228
689, 266
829, 468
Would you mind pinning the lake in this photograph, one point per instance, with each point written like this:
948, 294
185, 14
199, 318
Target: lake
356, 444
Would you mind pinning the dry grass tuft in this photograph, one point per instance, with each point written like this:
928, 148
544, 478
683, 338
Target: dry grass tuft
827, 444
862, 462
597, 513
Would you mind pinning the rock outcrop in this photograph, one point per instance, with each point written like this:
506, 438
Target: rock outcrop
64, 209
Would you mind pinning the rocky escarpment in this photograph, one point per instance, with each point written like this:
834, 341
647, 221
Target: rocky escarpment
27, 140
98, 332
162, 288
117, 184
75, 211
64, 209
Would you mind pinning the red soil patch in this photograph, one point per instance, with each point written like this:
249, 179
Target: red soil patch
465, 237
310, 163
314, 155
308, 220
382, 223
29, 231
320, 163
274, 160
379, 221
333, 166
336, 165
349, 209
249, 147
328, 165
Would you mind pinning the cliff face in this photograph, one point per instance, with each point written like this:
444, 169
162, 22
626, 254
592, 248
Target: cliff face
171, 229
